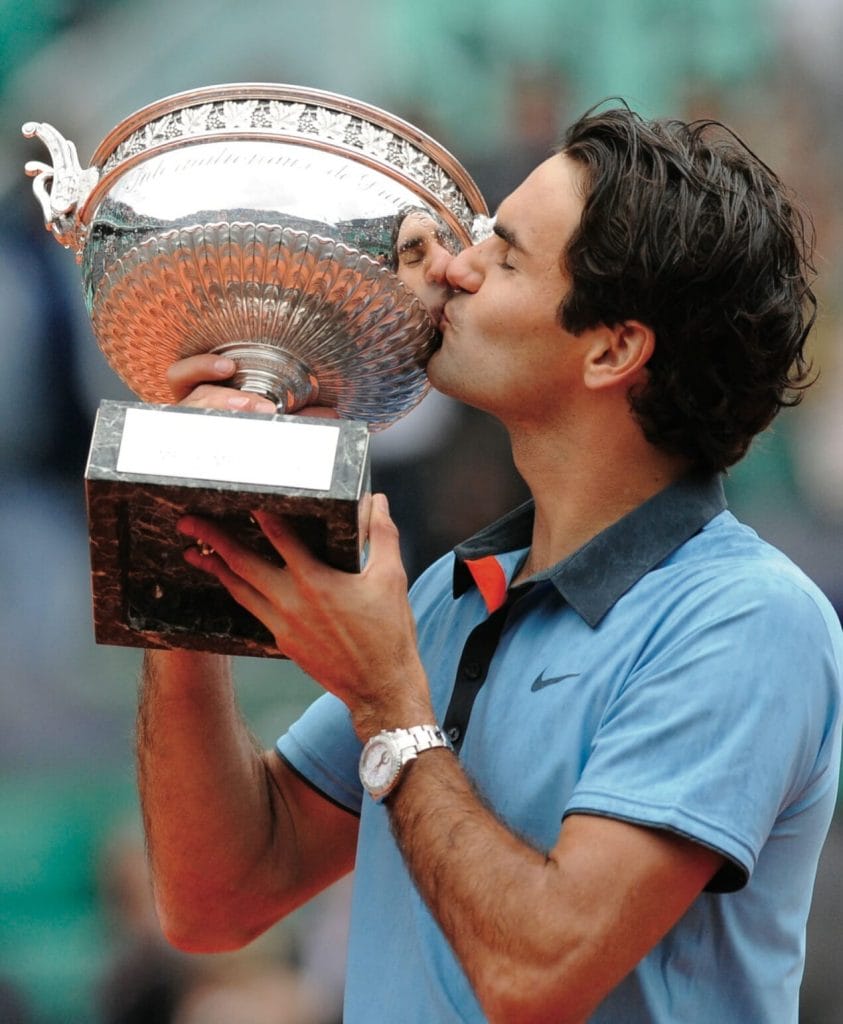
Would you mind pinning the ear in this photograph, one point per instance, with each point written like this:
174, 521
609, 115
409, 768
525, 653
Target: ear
618, 355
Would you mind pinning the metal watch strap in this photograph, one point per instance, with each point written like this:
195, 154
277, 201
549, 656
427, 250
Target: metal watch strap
418, 738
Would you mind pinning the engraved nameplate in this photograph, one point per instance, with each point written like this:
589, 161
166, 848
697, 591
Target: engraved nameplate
272, 453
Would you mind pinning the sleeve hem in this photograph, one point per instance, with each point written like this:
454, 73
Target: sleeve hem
739, 856
311, 772
316, 789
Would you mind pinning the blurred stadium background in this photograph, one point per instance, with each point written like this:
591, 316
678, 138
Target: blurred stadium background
494, 81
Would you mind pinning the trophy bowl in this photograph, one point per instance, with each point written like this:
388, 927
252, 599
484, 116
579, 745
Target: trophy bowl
258, 221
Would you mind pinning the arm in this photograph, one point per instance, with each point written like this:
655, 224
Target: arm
236, 840
541, 936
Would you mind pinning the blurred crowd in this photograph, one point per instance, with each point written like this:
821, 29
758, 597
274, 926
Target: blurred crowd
283, 978
767, 68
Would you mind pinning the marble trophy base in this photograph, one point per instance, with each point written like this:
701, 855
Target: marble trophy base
148, 465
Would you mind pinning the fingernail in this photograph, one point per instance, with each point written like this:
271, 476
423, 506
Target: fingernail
225, 365
238, 401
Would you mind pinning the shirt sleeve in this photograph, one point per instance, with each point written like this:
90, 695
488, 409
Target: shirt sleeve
323, 748
726, 724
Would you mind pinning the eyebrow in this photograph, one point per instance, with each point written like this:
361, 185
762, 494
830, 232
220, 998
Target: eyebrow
421, 239
413, 242
509, 236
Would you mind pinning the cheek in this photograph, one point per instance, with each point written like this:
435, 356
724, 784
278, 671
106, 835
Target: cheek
410, 277
502, 329
426, 292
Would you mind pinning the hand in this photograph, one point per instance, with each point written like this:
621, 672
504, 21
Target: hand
352, 632
189, 380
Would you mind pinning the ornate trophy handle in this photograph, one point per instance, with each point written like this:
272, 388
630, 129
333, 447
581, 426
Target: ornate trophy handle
70, 184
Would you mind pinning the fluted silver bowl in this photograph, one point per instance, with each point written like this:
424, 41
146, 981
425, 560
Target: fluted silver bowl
258, 221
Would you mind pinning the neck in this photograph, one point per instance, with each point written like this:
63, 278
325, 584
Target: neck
580, 489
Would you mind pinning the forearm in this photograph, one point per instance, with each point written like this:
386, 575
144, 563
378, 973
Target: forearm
542, 936
497, 899
206, 798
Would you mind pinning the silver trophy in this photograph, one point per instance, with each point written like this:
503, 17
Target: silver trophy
256, 221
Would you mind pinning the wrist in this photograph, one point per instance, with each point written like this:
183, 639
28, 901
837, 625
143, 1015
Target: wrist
371, 719
182, 671
400, 704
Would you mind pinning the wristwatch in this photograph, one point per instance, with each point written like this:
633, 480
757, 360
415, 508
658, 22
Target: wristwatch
384, 756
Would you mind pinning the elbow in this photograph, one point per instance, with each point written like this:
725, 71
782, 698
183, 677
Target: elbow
519, 995
189, 937
197, 926
527, 1010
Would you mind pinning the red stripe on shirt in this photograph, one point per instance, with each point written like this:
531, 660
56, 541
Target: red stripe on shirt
491, 581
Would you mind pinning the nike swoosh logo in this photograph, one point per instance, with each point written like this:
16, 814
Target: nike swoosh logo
541, 682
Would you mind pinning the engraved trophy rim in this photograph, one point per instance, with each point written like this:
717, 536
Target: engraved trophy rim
107, 159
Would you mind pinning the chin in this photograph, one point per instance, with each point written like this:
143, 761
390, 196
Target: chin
439, 378
433, 362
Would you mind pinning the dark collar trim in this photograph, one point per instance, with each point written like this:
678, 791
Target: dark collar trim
596, 576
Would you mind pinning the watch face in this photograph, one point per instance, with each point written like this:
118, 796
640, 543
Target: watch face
379, 764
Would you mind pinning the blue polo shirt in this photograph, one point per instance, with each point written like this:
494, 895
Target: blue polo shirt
676, 672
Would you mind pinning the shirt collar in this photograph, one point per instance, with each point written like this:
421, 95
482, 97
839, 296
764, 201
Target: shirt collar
599, 573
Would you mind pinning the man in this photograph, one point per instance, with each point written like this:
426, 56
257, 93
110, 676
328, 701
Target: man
423, 249
643, 697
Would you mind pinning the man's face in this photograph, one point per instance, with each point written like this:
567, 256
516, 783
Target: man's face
423, 250
503, 347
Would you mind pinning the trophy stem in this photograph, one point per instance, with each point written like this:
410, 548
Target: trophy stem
273, 373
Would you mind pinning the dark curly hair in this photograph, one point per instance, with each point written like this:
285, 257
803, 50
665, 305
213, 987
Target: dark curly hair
687, 231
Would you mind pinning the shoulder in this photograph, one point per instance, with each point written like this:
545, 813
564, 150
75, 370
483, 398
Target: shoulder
727, 570
738, 631
730, 621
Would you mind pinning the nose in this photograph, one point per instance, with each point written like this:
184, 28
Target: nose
464, 270
436, 265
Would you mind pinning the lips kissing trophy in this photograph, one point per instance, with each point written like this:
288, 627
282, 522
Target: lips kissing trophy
258, 222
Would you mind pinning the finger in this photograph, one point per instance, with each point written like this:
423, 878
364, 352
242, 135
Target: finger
242, 591
210, 396
282, 536
186, 374
384, 540
244, 563
194, 382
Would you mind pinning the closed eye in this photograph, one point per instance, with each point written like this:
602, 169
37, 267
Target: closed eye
504, 260
410, 257
508, 238
412, 251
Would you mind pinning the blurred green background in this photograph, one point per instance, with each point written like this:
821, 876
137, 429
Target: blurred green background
495, 82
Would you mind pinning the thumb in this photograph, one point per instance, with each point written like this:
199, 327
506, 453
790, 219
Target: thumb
383, 533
